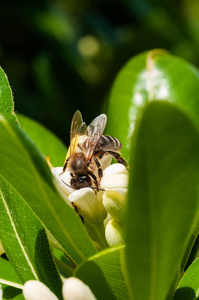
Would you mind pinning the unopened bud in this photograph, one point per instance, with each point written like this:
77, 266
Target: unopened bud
115, 205
114, 233
75, 289
36, 290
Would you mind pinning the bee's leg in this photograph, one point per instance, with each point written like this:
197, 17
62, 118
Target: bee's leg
76, 209
101, 154
100, 172
94, 179
117, 156
65, 166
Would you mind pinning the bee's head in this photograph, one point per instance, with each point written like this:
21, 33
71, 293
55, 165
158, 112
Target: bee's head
81, 182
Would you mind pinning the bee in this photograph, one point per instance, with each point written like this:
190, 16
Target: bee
88, 146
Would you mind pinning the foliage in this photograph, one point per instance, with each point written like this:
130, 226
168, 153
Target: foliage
155, 115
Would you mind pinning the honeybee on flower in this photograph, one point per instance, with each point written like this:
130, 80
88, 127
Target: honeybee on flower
88, 174
88, 147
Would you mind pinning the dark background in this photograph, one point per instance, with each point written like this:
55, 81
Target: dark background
63, 55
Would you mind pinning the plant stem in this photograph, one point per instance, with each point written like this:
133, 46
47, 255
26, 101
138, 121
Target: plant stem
63, 267
97, 233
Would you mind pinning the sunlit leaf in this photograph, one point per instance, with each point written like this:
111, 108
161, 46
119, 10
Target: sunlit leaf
8, 275
6, 98
188, 288
11, 293
45, 140
153, 75
103, 274
26, 171
25, 241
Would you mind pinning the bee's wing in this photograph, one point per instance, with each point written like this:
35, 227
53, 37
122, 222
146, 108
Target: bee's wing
94, 131
78, 127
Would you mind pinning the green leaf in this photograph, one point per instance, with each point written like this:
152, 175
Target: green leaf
188, 288
6, 98
11, 293
163, 200
8, 275
103, 274
153, 75
45, 140
25, 241
25, 169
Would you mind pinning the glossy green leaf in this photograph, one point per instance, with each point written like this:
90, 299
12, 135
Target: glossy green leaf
10, 283
6, 98
188, 288
103, 274
25, 169
163, 200
45, 140
11, 293
153, 75
25, 241
8, 275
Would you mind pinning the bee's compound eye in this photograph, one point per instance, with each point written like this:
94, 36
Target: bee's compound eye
81, 182
83, 178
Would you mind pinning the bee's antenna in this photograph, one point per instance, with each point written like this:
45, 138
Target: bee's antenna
95, 188
92, 187
69, 185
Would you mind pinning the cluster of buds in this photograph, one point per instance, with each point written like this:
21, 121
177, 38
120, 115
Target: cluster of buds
102, 211
114, 201
73, 289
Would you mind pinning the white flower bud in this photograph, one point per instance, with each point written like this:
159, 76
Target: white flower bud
114, 233
115, 205
75, 289
36, 290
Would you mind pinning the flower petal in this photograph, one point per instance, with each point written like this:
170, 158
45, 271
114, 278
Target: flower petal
86, 200
115, 169
63, 180
36, 290
75, 289
115, 181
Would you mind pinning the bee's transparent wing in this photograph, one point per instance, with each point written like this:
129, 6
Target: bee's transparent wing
95, 131
78, 127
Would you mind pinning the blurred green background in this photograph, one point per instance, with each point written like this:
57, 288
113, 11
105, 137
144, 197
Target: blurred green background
63, 55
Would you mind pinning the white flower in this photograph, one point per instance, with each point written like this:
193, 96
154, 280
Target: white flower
98, 207
36, 290
73, 289
115, 177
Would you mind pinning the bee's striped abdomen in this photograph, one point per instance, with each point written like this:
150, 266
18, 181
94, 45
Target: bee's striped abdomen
107, 142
